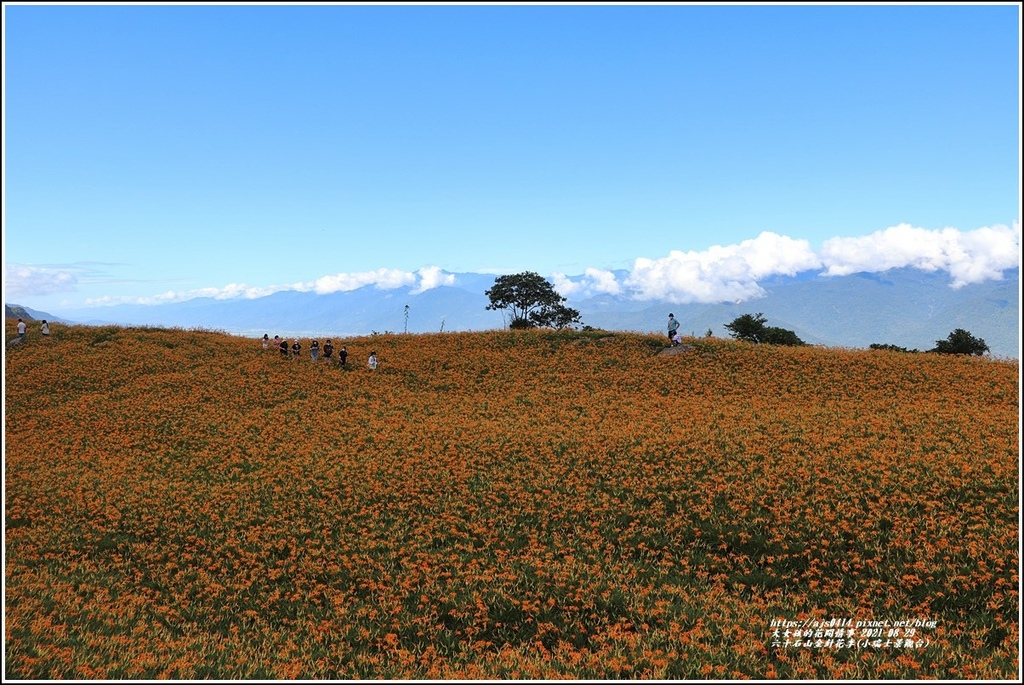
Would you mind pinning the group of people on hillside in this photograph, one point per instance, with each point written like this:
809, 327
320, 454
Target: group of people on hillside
44, 329
294, 350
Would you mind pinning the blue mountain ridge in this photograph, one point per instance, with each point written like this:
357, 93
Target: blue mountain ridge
906, 307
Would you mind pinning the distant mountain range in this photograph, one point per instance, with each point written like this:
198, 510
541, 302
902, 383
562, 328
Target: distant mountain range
904, 307
16, 311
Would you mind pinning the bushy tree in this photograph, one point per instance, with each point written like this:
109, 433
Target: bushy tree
752, 328
890, 348
531, 301
559, 316
773, 335
748, 327
961, 342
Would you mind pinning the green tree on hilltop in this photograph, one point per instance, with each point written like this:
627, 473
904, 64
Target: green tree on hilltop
961, 342
751, 327
531, 301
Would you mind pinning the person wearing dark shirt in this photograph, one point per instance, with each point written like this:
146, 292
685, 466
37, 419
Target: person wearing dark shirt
284, 348
342, 355
296, 348
328, 350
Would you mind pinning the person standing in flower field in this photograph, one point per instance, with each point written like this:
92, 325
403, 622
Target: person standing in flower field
283, 346
21, 329
372, 363
342, 356
45, 328
673, 326
328, 350
296, 348
266, 341
314, 350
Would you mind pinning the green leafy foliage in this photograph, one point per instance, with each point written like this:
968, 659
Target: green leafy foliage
961, 342
531, 301
889, 348
752, 328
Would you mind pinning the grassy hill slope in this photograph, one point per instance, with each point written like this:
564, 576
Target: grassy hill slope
505, 505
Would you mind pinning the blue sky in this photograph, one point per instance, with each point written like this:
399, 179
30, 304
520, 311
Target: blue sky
159, 152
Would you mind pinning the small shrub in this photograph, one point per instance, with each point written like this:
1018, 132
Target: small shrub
889, 348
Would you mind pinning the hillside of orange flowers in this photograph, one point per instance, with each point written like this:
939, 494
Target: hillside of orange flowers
506, 505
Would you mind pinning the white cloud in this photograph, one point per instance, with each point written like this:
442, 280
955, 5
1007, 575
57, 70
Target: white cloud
432, 277
228, 292
603, 281
385, 279
719, 273
969, 257
566, 287
162, 298
23, 280
732, 272
593, 282
252, 293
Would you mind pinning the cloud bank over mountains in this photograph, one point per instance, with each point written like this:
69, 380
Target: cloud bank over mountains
732, 273
970, 257
719, 274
